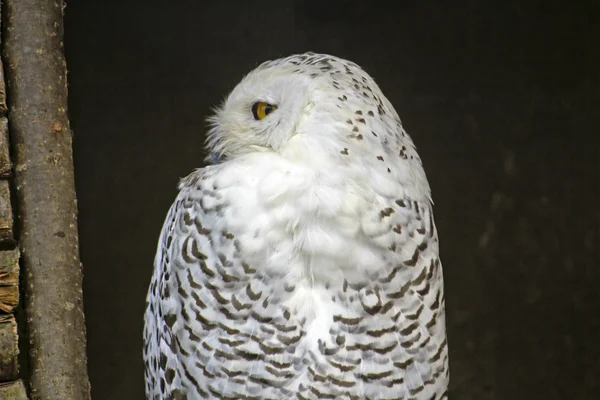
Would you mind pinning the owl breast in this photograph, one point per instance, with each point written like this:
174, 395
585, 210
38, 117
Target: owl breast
313, 288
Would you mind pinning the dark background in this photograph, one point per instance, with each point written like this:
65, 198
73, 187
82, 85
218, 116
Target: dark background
501, 97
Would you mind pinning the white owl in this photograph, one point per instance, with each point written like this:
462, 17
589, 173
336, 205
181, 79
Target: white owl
302, 264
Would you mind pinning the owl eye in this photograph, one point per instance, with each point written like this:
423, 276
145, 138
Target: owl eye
260, 109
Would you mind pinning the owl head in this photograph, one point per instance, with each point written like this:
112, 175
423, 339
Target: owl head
319, 109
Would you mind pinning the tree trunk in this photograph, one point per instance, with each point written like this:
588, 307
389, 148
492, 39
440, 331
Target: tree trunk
12, 391
46, 202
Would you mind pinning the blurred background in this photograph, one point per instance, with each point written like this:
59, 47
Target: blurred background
502, 100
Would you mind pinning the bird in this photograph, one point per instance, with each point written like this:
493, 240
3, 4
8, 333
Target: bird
302, 261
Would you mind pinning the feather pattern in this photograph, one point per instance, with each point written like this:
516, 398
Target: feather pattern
305, 264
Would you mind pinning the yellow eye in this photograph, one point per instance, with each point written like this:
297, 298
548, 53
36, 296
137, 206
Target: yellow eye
260, 109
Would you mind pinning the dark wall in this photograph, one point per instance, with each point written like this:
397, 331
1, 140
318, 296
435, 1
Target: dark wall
502, 101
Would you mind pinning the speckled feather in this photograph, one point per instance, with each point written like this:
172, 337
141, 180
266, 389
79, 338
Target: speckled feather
304, 264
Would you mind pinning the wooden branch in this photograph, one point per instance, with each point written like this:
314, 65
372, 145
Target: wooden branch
6, 215
47, 210
3, 106
13, 391
9, 348
9, 280
5, 165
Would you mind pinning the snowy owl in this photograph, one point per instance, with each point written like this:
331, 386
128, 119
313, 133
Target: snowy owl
303, 262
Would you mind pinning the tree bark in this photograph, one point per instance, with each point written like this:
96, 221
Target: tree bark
46, 202
9, 348
13, 391
9, 278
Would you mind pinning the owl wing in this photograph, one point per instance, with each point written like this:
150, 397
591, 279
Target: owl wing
205, 304
190, 253
417, 280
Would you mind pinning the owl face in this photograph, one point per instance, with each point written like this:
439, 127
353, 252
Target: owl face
323, 113
262, 113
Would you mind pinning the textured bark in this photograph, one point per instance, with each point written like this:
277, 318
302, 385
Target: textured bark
47, 210
9, 348
5, 165
9, 280
13, 391
6, 215
3, 107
